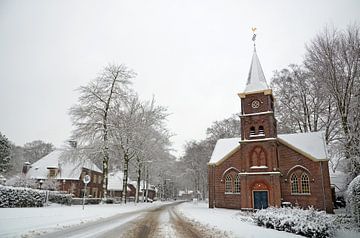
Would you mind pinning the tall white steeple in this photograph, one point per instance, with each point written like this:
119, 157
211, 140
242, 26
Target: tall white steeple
256, 79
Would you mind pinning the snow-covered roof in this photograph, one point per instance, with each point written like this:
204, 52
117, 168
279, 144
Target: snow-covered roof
69, 168
256, 79
223, 149
143, 185
311, 144
115, 181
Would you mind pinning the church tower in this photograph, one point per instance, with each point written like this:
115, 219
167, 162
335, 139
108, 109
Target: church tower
257, 105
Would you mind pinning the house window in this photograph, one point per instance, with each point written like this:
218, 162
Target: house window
52, 173
294, 184
237, 184
228, 184
261, 131
99, 179
94, 179
305, 186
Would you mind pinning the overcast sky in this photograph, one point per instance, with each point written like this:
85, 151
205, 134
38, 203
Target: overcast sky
194, 56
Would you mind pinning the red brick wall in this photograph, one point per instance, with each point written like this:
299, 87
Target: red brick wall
320, 192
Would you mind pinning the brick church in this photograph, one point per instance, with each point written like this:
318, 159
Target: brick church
261, 168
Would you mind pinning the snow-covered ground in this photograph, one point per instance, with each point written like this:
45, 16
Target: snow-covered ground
235, 224
16, 222
228, 221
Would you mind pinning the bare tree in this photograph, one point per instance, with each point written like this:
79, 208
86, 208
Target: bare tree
35, 150
302, 104
96, 102
333, 57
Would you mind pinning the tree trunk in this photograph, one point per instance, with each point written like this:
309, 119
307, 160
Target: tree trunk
125, 178
138, 184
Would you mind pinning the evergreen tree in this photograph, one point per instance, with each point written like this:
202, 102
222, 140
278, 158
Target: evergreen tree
5, 152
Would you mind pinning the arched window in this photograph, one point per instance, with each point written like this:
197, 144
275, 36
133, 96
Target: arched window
305, 185
252, 131
294, 184
258, 157
228, 182
261, 131
237, 184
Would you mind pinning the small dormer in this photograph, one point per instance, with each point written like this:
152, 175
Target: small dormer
52, 171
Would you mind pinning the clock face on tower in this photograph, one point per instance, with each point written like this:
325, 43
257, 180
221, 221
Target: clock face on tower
255, 104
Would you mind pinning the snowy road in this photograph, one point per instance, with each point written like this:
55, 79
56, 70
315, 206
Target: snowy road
162, 221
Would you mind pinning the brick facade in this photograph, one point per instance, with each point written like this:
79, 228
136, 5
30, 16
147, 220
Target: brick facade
263, 164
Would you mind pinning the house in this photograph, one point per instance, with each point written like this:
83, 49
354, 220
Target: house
261, 168
115, 186
151, 189
66, 172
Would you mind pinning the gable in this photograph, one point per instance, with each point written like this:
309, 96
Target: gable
224, 148
312, 145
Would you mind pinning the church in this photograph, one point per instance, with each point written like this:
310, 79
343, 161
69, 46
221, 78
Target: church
261, 168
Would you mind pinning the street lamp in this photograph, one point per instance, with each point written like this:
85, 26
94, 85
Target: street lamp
41, 183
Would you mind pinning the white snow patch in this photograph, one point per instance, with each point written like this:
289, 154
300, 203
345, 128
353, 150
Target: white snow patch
15, 222
228, 221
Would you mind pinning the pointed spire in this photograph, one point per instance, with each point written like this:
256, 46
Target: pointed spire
256, 79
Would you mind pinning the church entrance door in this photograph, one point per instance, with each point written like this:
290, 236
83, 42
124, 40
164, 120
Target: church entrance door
260, 199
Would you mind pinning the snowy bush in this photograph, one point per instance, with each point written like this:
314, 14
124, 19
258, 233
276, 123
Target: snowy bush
61, 198
21, 197
353, 197
309, 223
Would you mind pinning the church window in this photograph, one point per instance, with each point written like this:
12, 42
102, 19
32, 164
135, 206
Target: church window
228, 182
305, 186
252, 131
237, 184
294, 184
258, 158
261, 130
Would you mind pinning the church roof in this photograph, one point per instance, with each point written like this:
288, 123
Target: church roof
223, 149
256, 79
311, 145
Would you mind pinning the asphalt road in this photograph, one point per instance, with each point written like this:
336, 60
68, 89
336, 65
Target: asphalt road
162, 221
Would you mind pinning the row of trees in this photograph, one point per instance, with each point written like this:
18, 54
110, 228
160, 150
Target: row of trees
113, 124
13, 157
323, 93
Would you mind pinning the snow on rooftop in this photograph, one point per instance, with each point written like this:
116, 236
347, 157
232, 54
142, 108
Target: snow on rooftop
115, 181
311, 143
222, 148
69, 167
256, 79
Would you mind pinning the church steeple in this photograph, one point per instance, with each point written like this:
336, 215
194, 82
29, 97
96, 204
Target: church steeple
256, 79
257, 104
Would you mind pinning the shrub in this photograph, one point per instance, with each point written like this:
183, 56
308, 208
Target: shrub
21, 197
353, 197
59, 197
309, 223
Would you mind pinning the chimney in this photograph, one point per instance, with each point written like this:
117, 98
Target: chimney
26, 167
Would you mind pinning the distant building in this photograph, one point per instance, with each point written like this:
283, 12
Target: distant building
67, 172
115, 186
142, 191
261, 168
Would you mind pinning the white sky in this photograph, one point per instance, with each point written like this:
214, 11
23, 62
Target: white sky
194, 55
